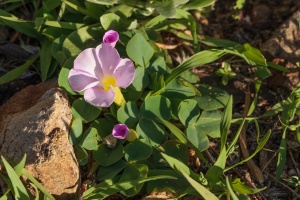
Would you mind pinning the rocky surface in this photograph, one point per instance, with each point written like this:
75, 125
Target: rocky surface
36, 121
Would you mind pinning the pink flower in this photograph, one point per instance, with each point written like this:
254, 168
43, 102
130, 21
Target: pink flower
100, 72
111, 37
120, 131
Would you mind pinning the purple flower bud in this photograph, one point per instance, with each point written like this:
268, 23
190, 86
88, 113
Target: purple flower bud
111, 37
120, 131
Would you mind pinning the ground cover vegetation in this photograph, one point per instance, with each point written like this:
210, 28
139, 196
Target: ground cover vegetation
143, 122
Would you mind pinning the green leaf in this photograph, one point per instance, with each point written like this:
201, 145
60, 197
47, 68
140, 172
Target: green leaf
132, 172
211, 98
197, 138
45, 59
106, 156
104, 2
254, 55
20, 191
85, 111
165, 8
209, 123
177, 186
108, 172
172, 148
95, 191
196, 4
204, 193
242, 188
76, 131
196, 60
153, 132
218, 42
112, 21
81, 155
15, 73
278, 67
82, 39
141, 79
128, 114
178, 89
90, 139
104, 127
22, 26
156, 107
137, 150
139, 50
188, 112
232, 194
63, 77
281, 160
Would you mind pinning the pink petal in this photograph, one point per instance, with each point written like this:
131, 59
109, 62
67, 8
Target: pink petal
120, 131
80, 80
124, 73
111, 37
99, 97
87, 61
108, 58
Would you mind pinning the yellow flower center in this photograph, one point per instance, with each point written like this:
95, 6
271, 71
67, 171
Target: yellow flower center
108, 81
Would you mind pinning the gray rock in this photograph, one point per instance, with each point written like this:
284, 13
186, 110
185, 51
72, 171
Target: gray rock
41, 131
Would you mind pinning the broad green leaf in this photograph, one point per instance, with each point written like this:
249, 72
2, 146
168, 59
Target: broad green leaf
218, 42
156, 107
153, 132
177, 186
45, 59
215, 172
155, 21
141, 79
104, 127
242, 188
178, 89
56, 50
198, 4
18, 168
128, 114
181, 167
198, 138
108, 172
106, 156
204, 193
90, 139
137, 150
165, 8
262, 72
209, 123
63, 77
254, 55
89, 36
172, 148
211, 98
132, 172
17, 72
182, 138
22, 26
188, 112
20, 191
94, 192
139, 50
76, 131
112, 21
196, 60
85, 111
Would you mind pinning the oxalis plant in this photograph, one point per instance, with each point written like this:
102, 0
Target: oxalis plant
136, 115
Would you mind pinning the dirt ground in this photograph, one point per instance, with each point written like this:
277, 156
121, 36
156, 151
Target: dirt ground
253, 24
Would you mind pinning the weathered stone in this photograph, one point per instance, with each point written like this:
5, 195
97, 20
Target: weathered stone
38, 126
284, 48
